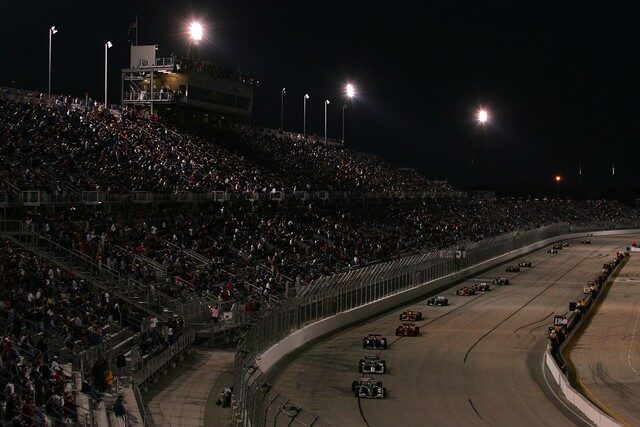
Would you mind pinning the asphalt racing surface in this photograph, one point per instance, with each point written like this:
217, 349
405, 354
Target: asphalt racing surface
478, 361
606, 355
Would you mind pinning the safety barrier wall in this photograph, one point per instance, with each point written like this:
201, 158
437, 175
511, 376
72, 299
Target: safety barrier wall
590, 410
578, 400
334, 302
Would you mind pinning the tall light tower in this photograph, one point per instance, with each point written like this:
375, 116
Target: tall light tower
482, 116
558, 180
108, 45
196, 33
351, 92
282, 92
326, 103
304, 114
52, 31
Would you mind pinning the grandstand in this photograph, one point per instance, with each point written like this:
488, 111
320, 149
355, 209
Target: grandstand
100, 237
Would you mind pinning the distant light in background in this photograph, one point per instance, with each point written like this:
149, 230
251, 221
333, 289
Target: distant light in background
196, 31
558, 178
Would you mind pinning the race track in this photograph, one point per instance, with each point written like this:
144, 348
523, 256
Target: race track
477, 362
606, 356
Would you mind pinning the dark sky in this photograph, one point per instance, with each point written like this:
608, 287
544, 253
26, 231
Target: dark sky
560, 81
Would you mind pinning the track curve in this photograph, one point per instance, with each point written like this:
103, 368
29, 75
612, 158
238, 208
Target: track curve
478, 361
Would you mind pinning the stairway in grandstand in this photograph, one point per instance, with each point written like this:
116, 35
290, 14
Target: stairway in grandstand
102, 277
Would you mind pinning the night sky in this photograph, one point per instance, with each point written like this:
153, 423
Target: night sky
560, 81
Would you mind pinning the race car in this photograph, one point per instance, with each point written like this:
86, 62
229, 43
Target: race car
524, 264
585, 242
558, 247
374, 341
368, 388
372, 364
408, 330
481, 287
411, 315
565, 245
438, 301
465, 290
499, 281
552, 251
513, 269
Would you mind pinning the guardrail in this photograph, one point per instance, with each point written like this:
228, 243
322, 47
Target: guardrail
562, 375
326, 297
158, 362
41, 198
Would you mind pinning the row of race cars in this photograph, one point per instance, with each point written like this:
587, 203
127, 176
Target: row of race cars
368, 387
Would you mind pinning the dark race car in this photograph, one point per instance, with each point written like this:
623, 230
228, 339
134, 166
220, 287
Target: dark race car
585, 242
438, 301
499, 281
374, 341
524, 264
565, 245
368, 388
481, 287
513, 269
411, 315
558, 247
465, 290
372, 365
408, 330
552, 251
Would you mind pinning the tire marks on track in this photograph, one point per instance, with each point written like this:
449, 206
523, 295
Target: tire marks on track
527, 303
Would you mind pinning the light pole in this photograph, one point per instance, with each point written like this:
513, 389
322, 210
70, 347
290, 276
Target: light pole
52, 31
326, 103
483, 118
108, 45
282, 92
196, 33
558, 179
304, 115
351, 92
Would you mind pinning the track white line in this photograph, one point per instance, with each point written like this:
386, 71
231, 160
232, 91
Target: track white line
633, 338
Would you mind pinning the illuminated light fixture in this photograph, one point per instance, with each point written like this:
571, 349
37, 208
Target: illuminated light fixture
351, 90
53, 30
558, 178
109, 45
196, 31
483, 116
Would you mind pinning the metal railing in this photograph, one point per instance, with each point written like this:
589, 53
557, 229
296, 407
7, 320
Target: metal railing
259, 402
148, 96
155, 364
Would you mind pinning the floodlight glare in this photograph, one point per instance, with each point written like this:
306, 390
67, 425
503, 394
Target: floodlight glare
483, 116
558, 178
306, 96
327, 102
109, 45
53, 30
351, 91
196, 32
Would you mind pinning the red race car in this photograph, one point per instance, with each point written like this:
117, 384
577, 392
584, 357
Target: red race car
408, 330
411, 315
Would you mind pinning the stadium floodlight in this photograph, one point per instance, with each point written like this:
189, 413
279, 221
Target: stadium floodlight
52, 31
326, 103
351, 90
558, 178
196, 32
304, 115
108, 45
483, 116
